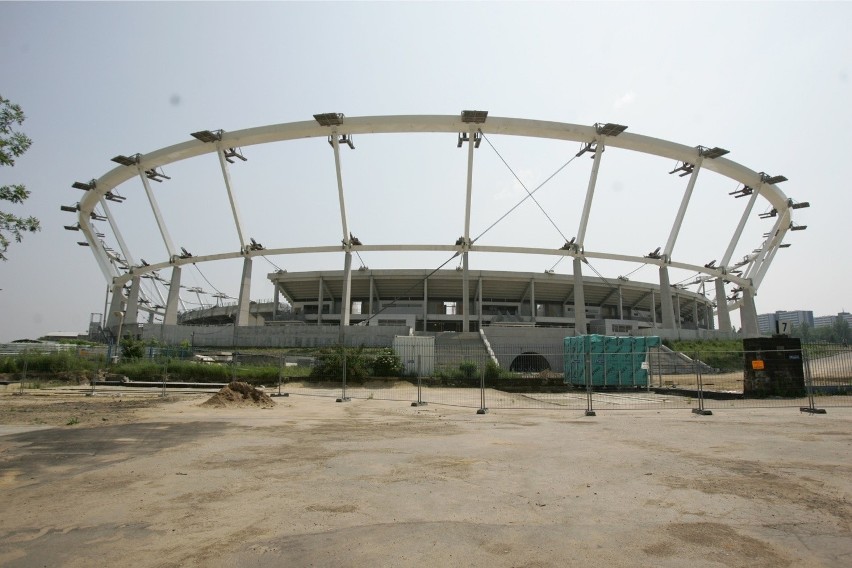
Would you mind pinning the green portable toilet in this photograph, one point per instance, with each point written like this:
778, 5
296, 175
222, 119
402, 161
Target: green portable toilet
613, 361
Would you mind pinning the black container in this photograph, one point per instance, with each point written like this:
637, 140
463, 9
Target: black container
782, 373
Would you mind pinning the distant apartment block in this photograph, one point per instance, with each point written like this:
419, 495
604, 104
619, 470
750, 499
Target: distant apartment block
768, 323
828, 321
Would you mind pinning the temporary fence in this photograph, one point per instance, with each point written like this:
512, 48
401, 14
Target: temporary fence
469, 373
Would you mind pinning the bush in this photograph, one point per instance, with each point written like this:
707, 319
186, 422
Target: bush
468, 370
132, 348
387, 364
493, 370
329, 363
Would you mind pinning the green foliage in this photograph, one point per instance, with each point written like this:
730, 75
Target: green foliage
13, 144
387, 364
725, 354
54, 363
329, 363
468, 369
838, 332
132, 348
494, 371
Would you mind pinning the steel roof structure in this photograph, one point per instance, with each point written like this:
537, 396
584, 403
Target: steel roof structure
120, 268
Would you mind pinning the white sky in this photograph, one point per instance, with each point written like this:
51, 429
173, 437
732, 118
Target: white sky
768, 81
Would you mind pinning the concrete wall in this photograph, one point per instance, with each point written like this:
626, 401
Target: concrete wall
271, 335
509, 342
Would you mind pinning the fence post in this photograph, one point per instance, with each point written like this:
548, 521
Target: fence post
165, 375
280, 371
810, 408
700, 385
587, 370
343, 397
24, 374
482, 408
419, 385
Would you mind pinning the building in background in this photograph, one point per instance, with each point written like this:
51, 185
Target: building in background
828, 321
768, 323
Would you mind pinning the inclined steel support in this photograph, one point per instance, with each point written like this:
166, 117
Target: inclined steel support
125, 251
346, 296
131, 314
580, 322
226, 175
666, 305
722, 306
243, 303
748, 314
466, 239
174, 298
158, 216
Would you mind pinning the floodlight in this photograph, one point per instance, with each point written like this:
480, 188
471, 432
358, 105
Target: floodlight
354, 240
711, 153
254, 245
609, 129
329, 119
70, 208
97, 217
342, 139
772, 213
797, 227
83, 186
157, 176
785, 245
569, 245
771, 180
742, 192
464, 137
83, 243
127, 160
684, 167
114, 197
233, 153
711, 264
588, 147
654, 254
185, 253
474, 116
801, 205
208, 135
72, 227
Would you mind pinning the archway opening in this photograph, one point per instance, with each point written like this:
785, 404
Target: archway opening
529, 362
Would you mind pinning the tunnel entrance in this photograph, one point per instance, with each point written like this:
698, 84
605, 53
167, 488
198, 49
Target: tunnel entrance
529, 362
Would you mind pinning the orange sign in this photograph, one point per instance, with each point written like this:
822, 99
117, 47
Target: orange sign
757, 365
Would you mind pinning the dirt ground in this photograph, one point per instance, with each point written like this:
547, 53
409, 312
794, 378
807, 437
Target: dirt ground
139, 480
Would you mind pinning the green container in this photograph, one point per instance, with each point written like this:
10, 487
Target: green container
604, 361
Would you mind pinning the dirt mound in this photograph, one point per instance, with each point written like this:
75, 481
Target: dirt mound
237, 394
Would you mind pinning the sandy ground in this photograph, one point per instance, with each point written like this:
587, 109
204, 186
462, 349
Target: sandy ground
144, 481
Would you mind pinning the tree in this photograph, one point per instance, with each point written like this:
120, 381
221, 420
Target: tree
13, 144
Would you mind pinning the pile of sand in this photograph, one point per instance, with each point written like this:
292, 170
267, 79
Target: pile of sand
237, 394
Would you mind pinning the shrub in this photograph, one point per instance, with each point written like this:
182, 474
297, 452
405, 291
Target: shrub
468, 369
493, 371
387, 364
329, 363
132, 348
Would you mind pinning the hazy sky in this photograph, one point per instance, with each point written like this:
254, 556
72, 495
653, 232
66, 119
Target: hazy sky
768, 81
